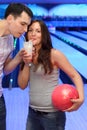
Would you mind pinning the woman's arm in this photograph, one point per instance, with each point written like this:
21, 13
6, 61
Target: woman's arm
62, 62
23, 76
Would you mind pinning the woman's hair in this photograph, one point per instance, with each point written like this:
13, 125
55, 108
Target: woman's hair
44, 54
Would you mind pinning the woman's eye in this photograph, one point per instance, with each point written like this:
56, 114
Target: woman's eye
38, 31
30, 30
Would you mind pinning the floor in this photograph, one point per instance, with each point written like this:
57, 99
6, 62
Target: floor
17, 108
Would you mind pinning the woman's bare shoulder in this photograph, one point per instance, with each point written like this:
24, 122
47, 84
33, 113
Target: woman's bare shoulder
55, 52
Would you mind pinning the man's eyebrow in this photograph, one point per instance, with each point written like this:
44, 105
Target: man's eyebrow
24, 23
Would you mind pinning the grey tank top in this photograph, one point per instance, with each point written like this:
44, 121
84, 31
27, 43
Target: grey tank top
41, 87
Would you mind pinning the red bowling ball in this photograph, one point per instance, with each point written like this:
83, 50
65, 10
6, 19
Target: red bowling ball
62, 95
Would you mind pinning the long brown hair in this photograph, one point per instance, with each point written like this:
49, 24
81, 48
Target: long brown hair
44, 54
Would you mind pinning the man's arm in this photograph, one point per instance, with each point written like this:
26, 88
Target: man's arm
11, 64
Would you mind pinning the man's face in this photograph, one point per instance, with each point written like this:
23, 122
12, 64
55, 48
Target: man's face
18, 26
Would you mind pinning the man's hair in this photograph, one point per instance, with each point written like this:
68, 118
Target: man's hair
16, 9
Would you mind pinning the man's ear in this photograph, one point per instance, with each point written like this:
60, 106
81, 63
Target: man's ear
10, 18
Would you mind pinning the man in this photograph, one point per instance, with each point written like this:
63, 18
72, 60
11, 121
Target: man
17, 18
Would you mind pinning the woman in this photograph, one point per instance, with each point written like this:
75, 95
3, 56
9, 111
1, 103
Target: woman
43, 76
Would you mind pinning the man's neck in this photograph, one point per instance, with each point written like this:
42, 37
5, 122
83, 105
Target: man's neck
3, 28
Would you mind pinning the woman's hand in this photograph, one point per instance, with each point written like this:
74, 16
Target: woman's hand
26, 57
76, 104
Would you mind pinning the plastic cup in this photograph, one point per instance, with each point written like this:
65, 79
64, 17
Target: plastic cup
28, 46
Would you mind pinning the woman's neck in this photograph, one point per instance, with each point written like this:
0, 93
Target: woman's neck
37, 47
35, 57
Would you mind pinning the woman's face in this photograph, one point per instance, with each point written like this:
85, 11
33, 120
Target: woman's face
34, 33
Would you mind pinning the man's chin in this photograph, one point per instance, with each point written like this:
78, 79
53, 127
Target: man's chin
18, 35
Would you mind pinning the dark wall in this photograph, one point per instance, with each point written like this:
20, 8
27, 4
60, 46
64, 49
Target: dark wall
44, 1
10, 80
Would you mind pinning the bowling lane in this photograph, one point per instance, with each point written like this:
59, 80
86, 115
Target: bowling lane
77, 59
73, 39
85, 32
79, 34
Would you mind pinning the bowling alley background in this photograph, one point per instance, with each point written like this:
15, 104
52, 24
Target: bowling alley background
67, 23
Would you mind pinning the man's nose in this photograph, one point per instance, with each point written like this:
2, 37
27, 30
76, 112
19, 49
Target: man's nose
25, 28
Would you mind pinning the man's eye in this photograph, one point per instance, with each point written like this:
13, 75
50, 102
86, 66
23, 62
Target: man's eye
23, 24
